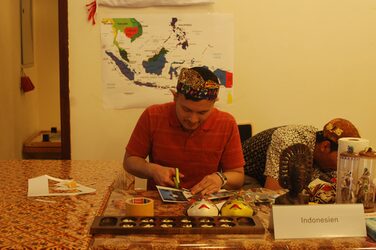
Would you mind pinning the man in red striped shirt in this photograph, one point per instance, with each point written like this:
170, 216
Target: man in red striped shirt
189, 134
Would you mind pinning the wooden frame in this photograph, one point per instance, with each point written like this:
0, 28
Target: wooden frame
64, 80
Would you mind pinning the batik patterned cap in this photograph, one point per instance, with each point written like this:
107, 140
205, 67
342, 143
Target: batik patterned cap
191, 83
338, 128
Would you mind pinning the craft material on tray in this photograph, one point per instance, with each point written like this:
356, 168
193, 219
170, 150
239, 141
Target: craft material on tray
169, 194
176, 225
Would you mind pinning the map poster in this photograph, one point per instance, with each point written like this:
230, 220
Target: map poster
142, 55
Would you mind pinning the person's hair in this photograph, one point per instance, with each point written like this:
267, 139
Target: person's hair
320, 138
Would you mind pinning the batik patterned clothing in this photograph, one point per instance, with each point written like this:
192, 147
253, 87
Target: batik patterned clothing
212, 147
262, 152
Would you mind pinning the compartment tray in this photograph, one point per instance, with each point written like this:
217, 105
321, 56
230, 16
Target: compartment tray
176, 225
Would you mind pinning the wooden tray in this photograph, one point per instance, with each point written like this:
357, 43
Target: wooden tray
176, 225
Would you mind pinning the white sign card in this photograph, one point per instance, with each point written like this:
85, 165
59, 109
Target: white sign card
318, 221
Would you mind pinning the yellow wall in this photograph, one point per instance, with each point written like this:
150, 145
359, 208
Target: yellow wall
17, 110
23, 114
295, 62
47, 56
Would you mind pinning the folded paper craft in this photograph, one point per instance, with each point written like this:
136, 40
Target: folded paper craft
49, 186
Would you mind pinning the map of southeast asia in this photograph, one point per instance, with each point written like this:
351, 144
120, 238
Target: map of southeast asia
142, 56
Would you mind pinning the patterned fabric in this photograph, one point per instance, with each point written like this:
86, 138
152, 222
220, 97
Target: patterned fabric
254, 150
214, 145
262, 152
322, 192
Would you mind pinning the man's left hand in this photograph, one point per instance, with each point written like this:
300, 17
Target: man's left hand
209, 184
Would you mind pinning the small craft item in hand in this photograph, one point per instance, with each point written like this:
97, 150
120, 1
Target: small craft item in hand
177, 178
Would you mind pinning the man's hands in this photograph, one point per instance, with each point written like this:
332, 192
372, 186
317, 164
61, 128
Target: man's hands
210, 184
213, 183
163, 176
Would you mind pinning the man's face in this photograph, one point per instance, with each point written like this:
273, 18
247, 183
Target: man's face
191, 114
326, 158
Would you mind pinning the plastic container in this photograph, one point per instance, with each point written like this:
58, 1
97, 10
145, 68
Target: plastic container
365, 186
347, 176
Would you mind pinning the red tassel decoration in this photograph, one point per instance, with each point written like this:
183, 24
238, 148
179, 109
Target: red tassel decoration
91, 8
26, 83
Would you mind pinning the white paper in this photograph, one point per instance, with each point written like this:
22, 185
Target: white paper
38, 186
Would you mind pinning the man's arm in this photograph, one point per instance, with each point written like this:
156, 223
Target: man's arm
141, 168
235, 178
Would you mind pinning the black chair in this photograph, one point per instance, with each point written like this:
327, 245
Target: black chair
245, 131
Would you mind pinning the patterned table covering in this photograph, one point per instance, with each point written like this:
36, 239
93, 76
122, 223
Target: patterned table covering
54, 222
116, 207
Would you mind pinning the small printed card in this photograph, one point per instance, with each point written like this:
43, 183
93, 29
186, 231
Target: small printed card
173, 194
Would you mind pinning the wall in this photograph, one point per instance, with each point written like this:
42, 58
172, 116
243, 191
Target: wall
18, 112
295, 62
47, 56
23, 114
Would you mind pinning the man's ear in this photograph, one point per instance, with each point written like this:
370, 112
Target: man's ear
174, 94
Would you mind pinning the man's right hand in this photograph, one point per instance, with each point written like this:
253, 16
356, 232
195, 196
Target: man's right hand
137, 166
163, 176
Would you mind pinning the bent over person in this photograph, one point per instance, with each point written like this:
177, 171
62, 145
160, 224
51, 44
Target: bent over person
189, 134
263, 151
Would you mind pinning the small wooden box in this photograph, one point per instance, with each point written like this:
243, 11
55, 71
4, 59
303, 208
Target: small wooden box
35, 148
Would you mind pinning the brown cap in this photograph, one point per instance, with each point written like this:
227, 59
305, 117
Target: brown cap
338, 128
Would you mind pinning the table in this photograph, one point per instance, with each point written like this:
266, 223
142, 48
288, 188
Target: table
64, 222
116, 206
36, 148
51, 222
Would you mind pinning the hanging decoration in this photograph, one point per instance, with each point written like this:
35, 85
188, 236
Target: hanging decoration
26, 83
92, 6
148, 3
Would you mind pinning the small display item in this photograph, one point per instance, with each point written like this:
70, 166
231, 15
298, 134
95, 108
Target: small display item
176, 225
236, 207
203, 208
